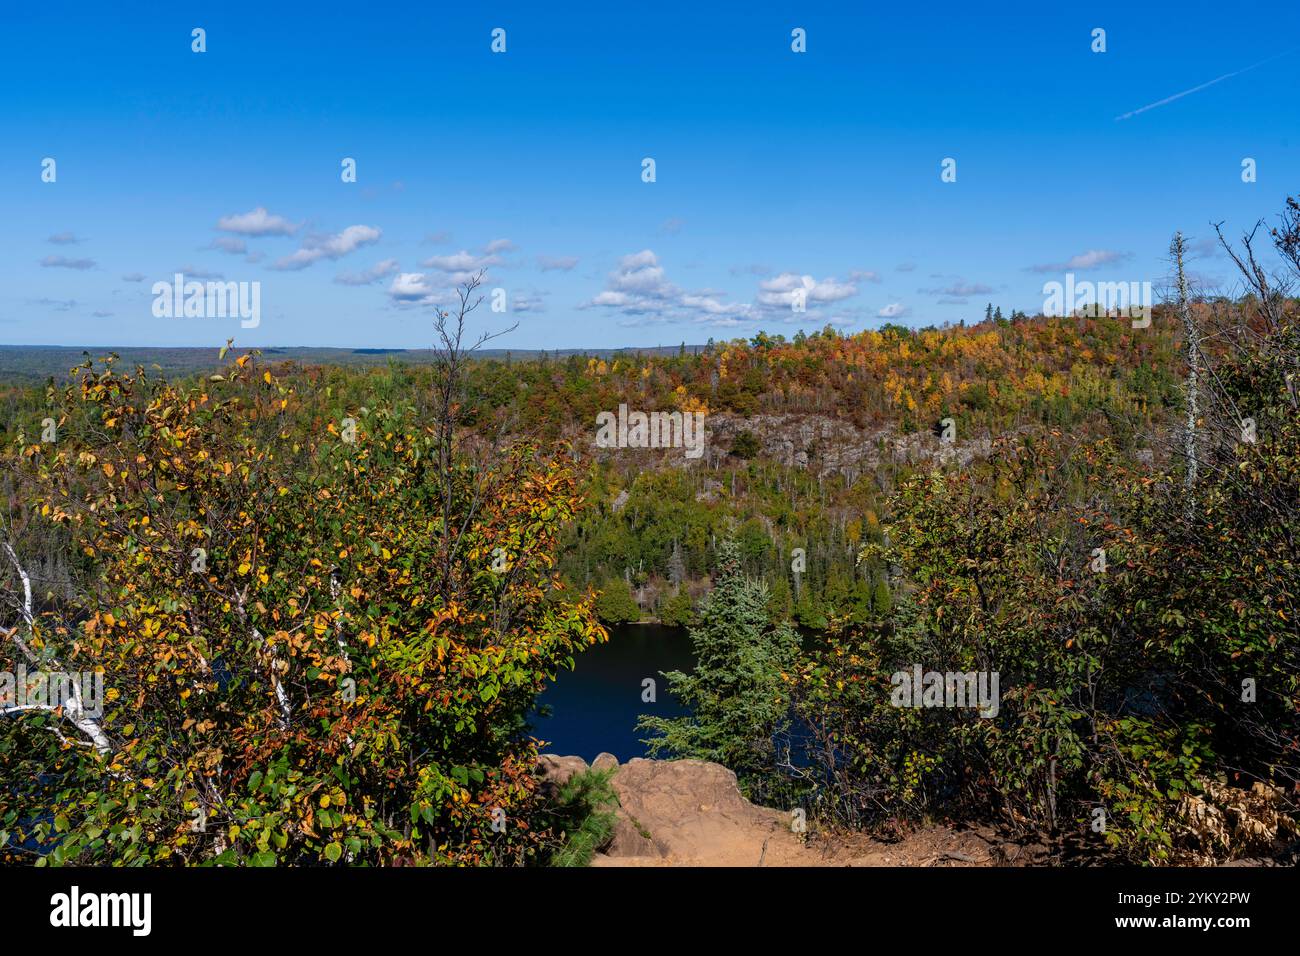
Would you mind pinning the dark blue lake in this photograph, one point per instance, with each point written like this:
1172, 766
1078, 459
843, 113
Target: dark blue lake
595, 706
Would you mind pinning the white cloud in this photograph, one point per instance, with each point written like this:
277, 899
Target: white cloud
259, 222
411, 287
460, 262
427, 289
64, 239
424, 288
527, 302
194, 272
959, 289
780, 291
133, 277
63, 262
640, 289
895, 310
376, 272
641, 275
710, 306
1092, 259
864, 275
315, 248
499, 245
556, 263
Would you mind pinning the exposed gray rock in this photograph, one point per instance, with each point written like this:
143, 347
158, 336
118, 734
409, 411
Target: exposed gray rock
832, 446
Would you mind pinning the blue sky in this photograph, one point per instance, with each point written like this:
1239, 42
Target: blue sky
771, 166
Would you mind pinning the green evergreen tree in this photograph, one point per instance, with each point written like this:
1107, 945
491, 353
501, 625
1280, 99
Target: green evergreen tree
780, 605
882, 602
745, 445
808, 610
736, 693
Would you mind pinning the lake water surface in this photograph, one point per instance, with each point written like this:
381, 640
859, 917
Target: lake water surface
596, 705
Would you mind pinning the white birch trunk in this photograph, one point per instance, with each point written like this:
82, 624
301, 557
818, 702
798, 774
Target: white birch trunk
74, 709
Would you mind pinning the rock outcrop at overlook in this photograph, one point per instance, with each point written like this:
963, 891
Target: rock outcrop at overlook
684, 813
692, 813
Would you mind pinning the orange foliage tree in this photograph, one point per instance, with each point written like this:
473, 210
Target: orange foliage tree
319, 639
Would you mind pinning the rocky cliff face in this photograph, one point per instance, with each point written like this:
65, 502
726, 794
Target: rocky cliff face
823, 445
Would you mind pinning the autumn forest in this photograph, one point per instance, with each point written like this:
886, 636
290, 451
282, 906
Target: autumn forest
322, 600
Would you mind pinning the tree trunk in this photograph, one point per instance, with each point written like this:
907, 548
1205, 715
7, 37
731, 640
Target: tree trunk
1190, 332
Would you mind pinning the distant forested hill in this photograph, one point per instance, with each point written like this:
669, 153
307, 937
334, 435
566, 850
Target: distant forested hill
28, 363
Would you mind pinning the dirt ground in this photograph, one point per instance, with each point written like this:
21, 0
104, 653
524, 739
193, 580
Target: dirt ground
691, 813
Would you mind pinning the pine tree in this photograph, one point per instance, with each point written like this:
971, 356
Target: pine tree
736, 693
676, 566
881, 601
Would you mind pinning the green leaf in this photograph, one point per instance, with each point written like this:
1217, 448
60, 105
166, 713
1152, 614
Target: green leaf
333, 852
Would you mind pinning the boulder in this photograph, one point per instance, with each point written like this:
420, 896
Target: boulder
683, 812
604, 761
555, 770
631, 840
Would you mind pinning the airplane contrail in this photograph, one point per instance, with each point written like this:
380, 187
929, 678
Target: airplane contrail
1196, 89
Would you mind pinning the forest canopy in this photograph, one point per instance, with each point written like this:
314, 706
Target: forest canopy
322, 601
